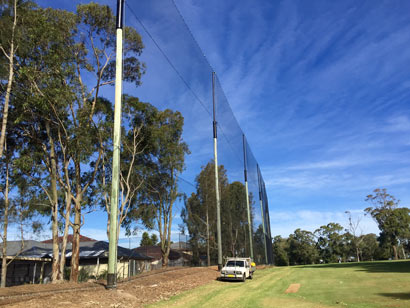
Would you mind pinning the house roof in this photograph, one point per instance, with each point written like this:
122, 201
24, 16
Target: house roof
181, 246
100, 249
155, 252
151, 251
14, 247
70, 239
90, 249
37, 252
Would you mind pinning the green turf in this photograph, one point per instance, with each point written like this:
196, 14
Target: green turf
365, 284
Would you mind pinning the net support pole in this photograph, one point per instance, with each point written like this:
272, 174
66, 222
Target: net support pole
271, 257
245, 172
112, 250
218, 201
262, 214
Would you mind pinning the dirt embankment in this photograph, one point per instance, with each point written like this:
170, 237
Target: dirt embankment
145, 289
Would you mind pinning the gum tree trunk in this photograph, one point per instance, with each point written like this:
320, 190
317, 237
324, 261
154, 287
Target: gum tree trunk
5, 226
75, 256
10, 57
54, 206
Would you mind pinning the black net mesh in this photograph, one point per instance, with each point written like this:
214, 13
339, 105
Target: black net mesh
179, 77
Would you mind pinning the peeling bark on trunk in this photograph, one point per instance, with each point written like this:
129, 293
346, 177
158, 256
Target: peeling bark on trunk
165, 254
165, 229
10, 57
75, 256
65, 235
168, 246
54, 206
75, 260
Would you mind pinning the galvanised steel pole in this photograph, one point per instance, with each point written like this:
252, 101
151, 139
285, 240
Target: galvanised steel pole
218, 201
245, 172
262, 213
112, 250
271, 257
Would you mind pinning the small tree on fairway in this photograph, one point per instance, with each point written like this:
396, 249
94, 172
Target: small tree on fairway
356, 239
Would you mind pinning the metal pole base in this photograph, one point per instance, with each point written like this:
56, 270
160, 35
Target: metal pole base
219, 267
111, 282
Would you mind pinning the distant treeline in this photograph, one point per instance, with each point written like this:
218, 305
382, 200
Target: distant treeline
333, 243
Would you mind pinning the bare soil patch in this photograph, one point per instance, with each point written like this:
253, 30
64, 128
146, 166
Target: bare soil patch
146, 289
291, 302
293, 288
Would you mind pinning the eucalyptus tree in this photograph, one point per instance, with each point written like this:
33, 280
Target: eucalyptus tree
197, 227
14, 27
67, 122
139, 121
235, 220
146, 240
279, 247
301, 248
11, 47
166, 164
330, 241
393, 222
7, 209
17, 207
94, 52
199, 212
259, 245
369, 247
41, 93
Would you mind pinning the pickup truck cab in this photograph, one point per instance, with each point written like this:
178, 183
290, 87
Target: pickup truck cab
237, 269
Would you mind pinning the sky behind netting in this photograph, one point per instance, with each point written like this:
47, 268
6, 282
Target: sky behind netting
320, 88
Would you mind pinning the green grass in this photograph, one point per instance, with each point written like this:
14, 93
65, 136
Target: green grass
365, 284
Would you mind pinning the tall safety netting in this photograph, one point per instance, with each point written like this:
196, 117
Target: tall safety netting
236, 211
180, 84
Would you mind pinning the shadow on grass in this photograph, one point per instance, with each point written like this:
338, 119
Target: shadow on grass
402, 296
375, 267
229, 280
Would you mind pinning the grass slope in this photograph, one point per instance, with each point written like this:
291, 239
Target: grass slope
365, 284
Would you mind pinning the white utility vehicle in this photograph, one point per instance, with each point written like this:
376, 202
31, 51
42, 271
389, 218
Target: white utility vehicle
237, 269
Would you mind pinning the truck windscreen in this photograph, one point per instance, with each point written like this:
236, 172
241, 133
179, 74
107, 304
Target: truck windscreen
235, 263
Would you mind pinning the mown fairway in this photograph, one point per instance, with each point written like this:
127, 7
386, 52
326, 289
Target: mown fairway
366, 284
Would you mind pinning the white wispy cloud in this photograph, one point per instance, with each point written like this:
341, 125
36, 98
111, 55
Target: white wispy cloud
400, 123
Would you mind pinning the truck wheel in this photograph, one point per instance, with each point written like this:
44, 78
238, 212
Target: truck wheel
244, 277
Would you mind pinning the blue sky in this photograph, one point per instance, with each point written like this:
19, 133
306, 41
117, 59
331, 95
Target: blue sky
320, 88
